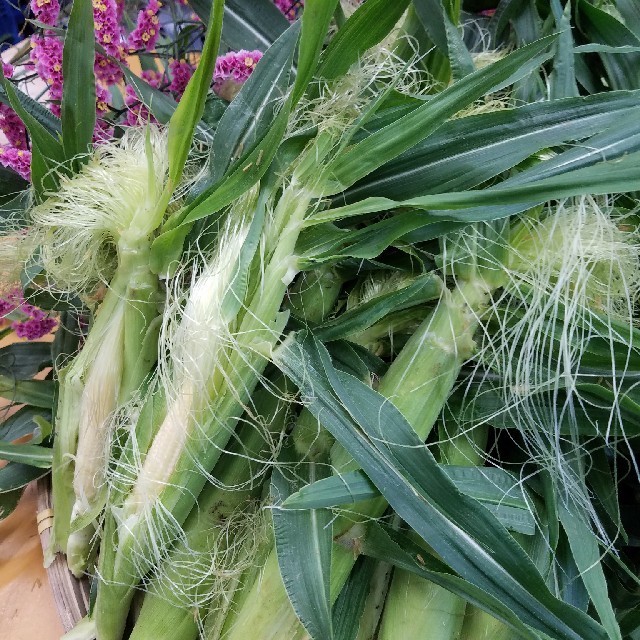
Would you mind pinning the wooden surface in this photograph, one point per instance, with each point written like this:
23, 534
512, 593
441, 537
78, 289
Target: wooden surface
27, 610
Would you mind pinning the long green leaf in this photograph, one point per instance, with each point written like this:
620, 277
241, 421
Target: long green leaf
254, 25
29, 454
248, 118
79, 91
316, 18
390, 546
15, 476
364, 29
488, 144
36, 109
445, 35
497, 490
388, 143
189, 111
605, 177
348, 608
8, 502
464, 534
586, 553
21, 423
563, 77
22, 360
630, 11
303, 544
623, 71
160, 105
422, 289
47, 153
38, 393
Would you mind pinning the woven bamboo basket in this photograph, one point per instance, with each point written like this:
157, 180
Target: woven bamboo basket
71, 596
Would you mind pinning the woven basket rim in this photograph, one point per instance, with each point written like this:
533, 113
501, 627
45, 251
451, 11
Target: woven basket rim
70, 595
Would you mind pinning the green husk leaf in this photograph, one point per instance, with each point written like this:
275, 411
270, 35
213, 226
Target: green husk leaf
79, 91
388, 450
303, 544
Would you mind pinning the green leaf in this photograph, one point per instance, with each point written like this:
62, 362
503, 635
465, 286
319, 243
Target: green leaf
15, 476
254, 25
496, 489
35, 109
467, 537
370, 23
386, 545
348, 608
21, 423
422, 289
617, 176
623, 72
586, 553
315, 23
38, 393
248, 118
445, 35
303, 544
8, 502
47, 157
22, 360
10, 184
189, 111
563, 78
29, 454
389, 142
160, 105
79, 91
630, 11
488, 144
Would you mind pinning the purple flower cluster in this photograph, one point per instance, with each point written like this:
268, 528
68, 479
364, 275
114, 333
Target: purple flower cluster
27, 321
47, 56
17, 159
147, 30
46, 11
181, 72
232, 70
108, 34
12, 127
291, 9
7, 70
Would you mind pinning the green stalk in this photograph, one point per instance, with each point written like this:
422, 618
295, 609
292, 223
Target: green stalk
418, 382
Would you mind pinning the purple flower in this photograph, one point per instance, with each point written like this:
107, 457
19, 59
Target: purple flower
147, 30
105, 25
291, 9
181, 73
33, 323
46, 10
12, 127
47, 55
17, 159
33, 329
232, 70
7, 70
